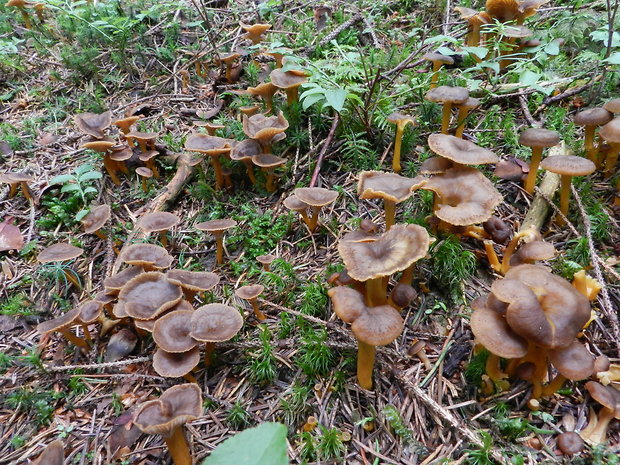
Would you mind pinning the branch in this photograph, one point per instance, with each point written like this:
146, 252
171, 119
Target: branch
319, 160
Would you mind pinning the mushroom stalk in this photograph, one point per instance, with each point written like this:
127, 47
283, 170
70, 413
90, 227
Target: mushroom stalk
376, 292
13, 190
407, 276
144, 186
554, 385
611, 159
72, 279
445, 117
163, 238
178, 448
219, 247
260, 316
150, 164
461, 118
390, 213
599, 434
530, 181
365, 364
69, 336
398, 139
313, 221
250, 170
492, 256
110, 167
270, 184
209, 349
292, 95
493, 369
565, 181
435, 76
510, 249
589, 146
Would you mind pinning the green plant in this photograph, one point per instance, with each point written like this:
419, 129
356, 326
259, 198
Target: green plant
6, 361
294, 404
329, 443
395, 421
315, 357
40, 403
481, 455
262, 368
238, 416
451, 264
17, 441
17, 305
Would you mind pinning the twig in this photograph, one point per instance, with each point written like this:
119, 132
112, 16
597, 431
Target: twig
526, 111
332, 35
319, 160
567, 93
98, 366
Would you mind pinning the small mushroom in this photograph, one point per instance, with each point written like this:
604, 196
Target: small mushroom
125, 124
159, 222
537, 139
148, 256
209, 126
447, 96
229, 60
570, 443
266, 261
148, 295
145, 174
217, 228
11, 237
146, 140
62, 252
288, 81
255, 32
105, 147
244, 151
193, 282
18, 179
438, 61
121, 344
401, 121
610, 133
591, 119
96, 219
263, 129
63, 325
268, 162
609, 398
265, 91
213, 323
53, 454
251, 293
175, 365
171, 332
212, 146
316, 198
166, 416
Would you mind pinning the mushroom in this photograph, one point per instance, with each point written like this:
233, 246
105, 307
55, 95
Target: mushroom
591, 119
159, 222
251, 293
265, 91
62, 252
90, 312
166, 416
474, 20
175, 365
244, 151
531, 252
146, 140
537, 139
609, 398
229, 60
255, 32
148, 295
53, 454
96, 219
125, 124
438, 60
171, 332
18, 179
401, 121
569, 443
390, 187
217, 228
213, 323
464, 109
316, 198
447, 96
249, 110
292, 202
113, 284
372, 326
21, 5
610, 133
266, 261
148, 158
63, 325
402, 295
94, 124
567, 166
288, 81
209, 126
212, 146
193, 281
460, 152
148, 256
105, 148
268, 162
263, 129
121, 344
587, 285
144, 173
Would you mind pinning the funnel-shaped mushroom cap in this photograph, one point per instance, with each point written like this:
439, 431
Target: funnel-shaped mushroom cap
142, 136
315, 196
89, 311
216, 226
176, 406
511, 170
435, 165
268, 160
561, 313
63, 321
54, 454
445, 94
498, 229
292, 202
611, 131
229, 58
249, 292
568, 165
149, 255
113, 284
493, 332
144, 172
215, 323
125, 154
387, 186
100, 146
503, 10
403, 294
12, 178
94, 124
198, 281
264, 90
96, 218
210, 145
255, 31
465, 196
613, 105
378, 326
286, 79
570, 443
460, 151
607, 396
263, 128
347, 302
59, 253
393, 251
574, 362
11, 237
529, 8
171, 332
145, 156
124, 124
537, 137
175, 365
593, 117
148, 295
533, 251
438, 58
158, 221
400, 119
245, 150
266, 259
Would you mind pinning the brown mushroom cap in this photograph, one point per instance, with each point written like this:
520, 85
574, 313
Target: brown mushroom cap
210, 145
245, 150
11, 237
292, 202
435, 165
171, 332
613, 105
148, 325
62, 322
268, 160
537, 137
124, 124
561, 313
266, 259
387, 186
149, 255
142, 136
198, 281
569, 165
90, 311
215, 226
54, 454
378, 326
255, 31
59, 252
249, 292
176, 406
593, 117
611, 131
574, 362
125, 154
157, 221
399, 118
100, 146
498, 229
533, 251
144, 172
348, 303
439, 58
96, 218
13, 178
460, 151
264, 128
215, 323
607, 396
403, 294
393, 251
94, 124
175, 365
286, 79
148, 295
493, 332
315, 196
570, 443
113, 284
264, 90
464, 195
444, 94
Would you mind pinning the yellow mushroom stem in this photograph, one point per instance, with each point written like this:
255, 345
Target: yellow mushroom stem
163, 238
87, 338
107, 324
435, 76
69, 274
407, 276
69, 336
530, 181
365, 364
111, 168
145, 187
178, 448
493, 369
376, 293
492, 256
390, 213
611, 159
446, 114
554, 385
461, 118
313, 220
511, 247
12, 190
249, 167
292, 95
209, 349
579, 282
398, 140
270, 184
217, 169
473, 38
26, 17
565, 182
150, 164
617, 196
189, 294
598, 435
219, 247
184, 80
229, 71
260, 316
190, 378
589, 145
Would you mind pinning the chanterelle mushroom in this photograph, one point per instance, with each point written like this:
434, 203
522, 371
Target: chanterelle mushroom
316, 198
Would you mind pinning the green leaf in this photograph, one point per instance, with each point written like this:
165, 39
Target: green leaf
310, 100
89, 190
81, 214
90, 176
335, 98
62, 178
529, 78
614, 59
70, 188
552, 48
263, 445
480, 52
